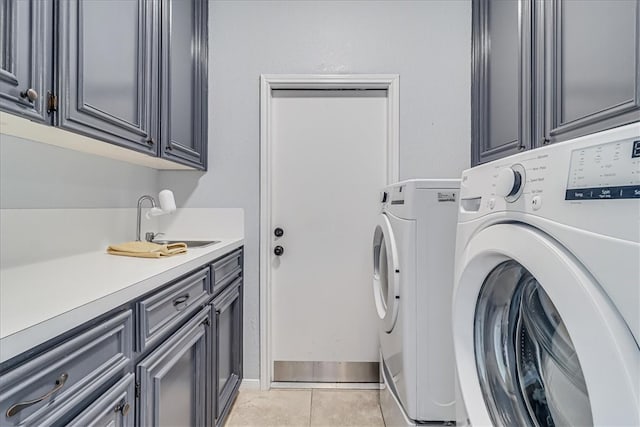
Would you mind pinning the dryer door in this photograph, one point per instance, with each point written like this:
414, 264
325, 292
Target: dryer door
537, 341
386, 273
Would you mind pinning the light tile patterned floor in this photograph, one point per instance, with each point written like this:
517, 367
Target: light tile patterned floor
310, 408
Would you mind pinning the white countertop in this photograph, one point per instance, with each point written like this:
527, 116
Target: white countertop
42, 300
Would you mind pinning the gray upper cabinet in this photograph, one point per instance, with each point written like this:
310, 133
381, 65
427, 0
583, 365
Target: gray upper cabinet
552, 70
501, 62
26, 46
592, 66
107, 74
183, 95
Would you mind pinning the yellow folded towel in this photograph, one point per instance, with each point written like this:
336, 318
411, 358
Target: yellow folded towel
147, 249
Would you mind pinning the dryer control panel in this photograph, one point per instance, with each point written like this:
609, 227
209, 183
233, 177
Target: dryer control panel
605, 171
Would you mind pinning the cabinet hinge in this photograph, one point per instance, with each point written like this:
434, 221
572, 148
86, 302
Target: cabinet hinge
52, 102
137, 389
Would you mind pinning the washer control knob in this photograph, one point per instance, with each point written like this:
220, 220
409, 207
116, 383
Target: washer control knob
508, 183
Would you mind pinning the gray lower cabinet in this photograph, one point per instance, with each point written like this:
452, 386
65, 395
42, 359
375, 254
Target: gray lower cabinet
226, 349
26, 46
185, 370
107, 71
115, 408
225, 271
592, 66
183, 95
160, 313
49, 388
173, 378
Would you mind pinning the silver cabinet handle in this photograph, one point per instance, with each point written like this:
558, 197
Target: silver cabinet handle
123, 408
20, 406
30, 94
180, 302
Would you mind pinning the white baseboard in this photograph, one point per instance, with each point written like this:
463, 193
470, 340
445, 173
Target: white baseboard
250, 384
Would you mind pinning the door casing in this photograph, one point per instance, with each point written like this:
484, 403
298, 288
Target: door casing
268, 82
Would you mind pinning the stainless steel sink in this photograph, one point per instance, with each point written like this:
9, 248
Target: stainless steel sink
189, 243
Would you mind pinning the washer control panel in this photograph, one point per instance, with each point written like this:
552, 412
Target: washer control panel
605, 171
570, 183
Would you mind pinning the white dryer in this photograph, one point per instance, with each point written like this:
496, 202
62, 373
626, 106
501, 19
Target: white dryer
413, 250
546, 314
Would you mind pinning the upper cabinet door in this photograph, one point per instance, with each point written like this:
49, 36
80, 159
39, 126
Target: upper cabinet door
26, 46
593, 66
107, 75
183, 102
501, 121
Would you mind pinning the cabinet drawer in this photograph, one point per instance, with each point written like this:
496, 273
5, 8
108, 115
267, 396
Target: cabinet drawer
113, 408
162, 312
48, 387
226, 270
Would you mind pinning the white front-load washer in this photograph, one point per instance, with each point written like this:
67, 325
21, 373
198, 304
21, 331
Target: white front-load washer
546, 315
413, 250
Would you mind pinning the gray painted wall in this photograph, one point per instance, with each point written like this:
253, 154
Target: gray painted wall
428, 43
36, 175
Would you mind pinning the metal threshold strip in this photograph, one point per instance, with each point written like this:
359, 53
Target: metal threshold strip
330, 372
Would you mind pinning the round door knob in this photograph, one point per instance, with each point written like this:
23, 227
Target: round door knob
30, 94
278, 250
508, 183
279, 232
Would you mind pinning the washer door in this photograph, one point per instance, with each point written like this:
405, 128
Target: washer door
386, 273
537, 341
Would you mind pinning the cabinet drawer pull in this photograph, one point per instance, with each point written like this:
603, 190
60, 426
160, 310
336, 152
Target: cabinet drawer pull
20, 406
123, 408
180, 302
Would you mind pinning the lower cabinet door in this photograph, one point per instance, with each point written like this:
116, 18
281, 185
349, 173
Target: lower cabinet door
173, 378
113, 409
227, 348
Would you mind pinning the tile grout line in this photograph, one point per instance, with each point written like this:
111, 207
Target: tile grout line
310, 407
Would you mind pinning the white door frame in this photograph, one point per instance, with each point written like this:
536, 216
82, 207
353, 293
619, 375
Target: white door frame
388, 82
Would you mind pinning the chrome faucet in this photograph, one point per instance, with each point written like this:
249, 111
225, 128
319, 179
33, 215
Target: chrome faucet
167, 206
140, 200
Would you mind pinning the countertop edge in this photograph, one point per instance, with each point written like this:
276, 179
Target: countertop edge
19, 342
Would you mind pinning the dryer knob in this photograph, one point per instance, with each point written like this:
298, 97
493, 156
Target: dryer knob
508, 183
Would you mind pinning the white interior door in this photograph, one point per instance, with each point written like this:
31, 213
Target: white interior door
328, 163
